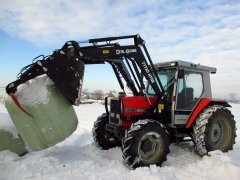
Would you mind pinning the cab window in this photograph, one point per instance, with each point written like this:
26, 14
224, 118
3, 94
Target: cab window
167, 77
190, 89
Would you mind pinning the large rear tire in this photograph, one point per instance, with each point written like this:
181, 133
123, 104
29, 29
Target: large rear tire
104, 139
146, 142
214, 129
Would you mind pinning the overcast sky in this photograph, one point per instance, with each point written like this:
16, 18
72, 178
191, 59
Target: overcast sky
205, 32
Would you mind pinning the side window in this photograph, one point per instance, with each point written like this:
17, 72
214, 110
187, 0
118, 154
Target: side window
180, 85
190, 89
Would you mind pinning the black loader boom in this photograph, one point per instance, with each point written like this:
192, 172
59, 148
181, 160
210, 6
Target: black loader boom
66, 66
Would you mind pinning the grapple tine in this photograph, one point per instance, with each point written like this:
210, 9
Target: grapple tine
66, 70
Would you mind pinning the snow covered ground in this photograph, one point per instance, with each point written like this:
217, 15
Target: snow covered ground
78, 158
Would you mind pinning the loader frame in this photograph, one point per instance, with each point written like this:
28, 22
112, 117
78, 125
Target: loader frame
130, 62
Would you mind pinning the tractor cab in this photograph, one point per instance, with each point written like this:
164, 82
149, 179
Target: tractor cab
185, 84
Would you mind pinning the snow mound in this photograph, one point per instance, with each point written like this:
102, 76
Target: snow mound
78, 158
3, 96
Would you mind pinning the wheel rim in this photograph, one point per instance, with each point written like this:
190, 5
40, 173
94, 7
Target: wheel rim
110, 137
219, 134
216, 132
150, 146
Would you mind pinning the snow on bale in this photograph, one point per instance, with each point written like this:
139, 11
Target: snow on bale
53, 120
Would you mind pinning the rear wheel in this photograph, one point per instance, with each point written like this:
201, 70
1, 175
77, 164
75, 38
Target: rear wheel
104, 139
214, 130
145, 143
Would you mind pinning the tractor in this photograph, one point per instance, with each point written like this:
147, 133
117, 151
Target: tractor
169, 102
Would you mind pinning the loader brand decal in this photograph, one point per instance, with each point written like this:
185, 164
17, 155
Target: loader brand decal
127, 51
148, 72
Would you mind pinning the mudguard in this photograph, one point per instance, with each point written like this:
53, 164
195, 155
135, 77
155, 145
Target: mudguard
203, 103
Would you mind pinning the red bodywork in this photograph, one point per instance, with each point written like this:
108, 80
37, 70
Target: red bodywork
140, 106
203, 103
136, 106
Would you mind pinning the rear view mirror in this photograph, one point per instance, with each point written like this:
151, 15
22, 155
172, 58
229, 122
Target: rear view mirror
180, 73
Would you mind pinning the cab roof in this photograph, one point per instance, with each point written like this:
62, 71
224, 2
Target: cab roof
185, 64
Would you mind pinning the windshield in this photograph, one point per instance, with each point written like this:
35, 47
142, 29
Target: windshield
167, 77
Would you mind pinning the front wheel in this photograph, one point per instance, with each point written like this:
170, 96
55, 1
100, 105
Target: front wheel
214, 129
146, 142
104, 139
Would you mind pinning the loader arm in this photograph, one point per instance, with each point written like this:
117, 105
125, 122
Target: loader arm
66, 66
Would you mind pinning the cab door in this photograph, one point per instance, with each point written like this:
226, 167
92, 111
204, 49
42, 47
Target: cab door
188, 93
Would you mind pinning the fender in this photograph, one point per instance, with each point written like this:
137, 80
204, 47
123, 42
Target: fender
201, 105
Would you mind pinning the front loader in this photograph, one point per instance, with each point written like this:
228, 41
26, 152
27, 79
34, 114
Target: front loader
176, 104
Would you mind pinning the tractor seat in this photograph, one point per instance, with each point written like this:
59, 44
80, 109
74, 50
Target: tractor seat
185, 98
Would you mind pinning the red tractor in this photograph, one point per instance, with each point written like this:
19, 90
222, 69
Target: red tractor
176, 105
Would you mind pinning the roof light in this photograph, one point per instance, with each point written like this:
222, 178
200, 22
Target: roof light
172, 64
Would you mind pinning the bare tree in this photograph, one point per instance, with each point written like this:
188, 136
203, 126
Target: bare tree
86, 93
111, 93
98, 94
233, 97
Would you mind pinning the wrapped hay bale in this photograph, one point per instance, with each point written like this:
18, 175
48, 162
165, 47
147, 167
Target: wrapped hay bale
9, 137
53, 120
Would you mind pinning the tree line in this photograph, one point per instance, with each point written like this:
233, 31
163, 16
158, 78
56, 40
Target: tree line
97, 94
